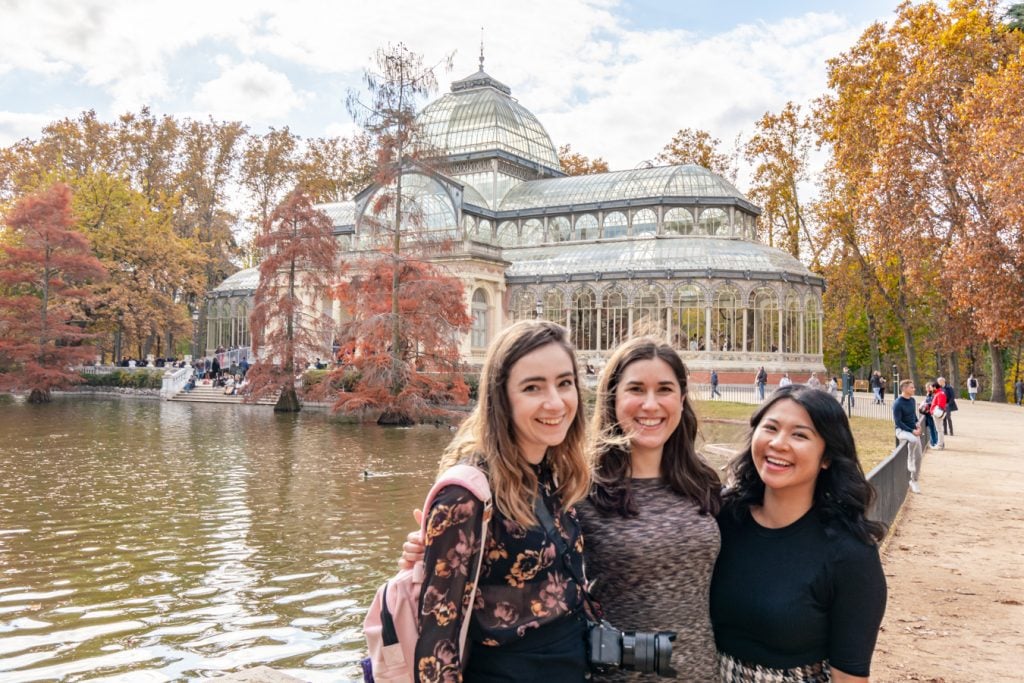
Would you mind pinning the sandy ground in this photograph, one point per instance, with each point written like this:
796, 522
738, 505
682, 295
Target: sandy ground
955, 561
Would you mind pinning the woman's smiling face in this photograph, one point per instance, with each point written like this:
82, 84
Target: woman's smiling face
648, 404
542, 393
787, 450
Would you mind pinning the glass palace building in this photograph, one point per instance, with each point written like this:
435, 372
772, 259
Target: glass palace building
670, 251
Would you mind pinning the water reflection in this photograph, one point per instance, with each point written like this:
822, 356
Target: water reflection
151, 541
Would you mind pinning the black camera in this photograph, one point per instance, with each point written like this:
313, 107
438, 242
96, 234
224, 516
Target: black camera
644, 651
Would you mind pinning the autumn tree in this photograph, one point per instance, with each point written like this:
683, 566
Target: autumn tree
778, 152
269, 164
288, 330
897, 166
400, 81
154, 272
432, 319
574, 163
335, 169
695, 146
42, 274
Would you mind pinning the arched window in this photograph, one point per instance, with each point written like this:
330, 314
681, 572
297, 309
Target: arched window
468, 226
533, 233
212, 329
812, 325
244, 337
726, 319
791, 325
678, 221
615, 315
645, 222
714, 222
483, 230
614, 225
586, 227
649, 312
584, 320
480, 332
508, 235
523, 306
554, 307
764, 321
559, 229
688, 319
225, 320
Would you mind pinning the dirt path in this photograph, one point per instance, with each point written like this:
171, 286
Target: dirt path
955, 563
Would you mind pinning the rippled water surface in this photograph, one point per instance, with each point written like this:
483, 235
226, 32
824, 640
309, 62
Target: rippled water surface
146, 541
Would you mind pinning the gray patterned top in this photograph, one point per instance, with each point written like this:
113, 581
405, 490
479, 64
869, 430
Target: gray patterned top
653, 572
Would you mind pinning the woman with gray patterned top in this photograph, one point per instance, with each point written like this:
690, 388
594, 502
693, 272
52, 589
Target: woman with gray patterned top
649, 522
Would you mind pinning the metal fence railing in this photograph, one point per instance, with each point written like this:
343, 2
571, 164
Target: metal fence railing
891, 481
863, 402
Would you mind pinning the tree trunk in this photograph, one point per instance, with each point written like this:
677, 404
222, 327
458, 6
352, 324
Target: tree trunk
393, 419
288, 402
998, 381
876, 360
908, 344
39, 396
954, 370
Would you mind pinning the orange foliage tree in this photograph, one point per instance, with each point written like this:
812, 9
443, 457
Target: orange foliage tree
432, 318
574, 163
44, 273
300, 259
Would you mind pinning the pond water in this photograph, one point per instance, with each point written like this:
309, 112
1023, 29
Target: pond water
146, 541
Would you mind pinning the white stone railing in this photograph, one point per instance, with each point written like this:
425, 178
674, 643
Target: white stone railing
174, 381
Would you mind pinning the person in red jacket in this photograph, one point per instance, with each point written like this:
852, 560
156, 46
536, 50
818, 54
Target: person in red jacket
939, 403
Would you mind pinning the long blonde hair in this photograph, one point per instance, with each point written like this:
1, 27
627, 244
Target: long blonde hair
488, 437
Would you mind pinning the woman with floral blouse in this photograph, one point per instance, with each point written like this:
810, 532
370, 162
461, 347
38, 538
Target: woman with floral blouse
527, 434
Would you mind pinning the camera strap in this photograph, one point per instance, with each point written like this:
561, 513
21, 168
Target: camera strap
546, 521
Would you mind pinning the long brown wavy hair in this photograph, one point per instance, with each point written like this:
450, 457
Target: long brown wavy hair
487, 437
686, 472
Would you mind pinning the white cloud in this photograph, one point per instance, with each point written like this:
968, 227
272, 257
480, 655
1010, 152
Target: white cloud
15, 126
250, 92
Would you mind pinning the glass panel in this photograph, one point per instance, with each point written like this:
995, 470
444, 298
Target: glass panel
554, 308
533, 233
764, 319
523, 306
559, 229
812, 325
586, 227
615, 317
614, 225
645, 222
483, 230
479, 332
584, 320
649, 313
688, 319
714, 222
508, 234
791, 325
726, 318
678, 221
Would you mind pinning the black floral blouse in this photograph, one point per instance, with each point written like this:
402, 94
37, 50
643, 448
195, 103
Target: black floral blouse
523, 583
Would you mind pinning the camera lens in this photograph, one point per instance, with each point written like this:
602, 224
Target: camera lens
648, 652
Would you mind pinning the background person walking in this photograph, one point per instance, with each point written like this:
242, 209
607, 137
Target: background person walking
714, 384
848, 386
950, 392
904, 415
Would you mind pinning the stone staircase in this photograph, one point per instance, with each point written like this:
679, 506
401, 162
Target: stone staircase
210, 394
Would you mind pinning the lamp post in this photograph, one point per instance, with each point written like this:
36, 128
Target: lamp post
895, 380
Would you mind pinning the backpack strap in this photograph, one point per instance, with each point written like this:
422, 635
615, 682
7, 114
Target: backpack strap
475, 481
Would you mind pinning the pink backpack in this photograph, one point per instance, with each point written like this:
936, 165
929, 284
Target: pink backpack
391, 626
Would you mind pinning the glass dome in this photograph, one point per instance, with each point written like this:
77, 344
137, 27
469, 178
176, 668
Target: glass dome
242, 281
480, 115
686, 182
427, 209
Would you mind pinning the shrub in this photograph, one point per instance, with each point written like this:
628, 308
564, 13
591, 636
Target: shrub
140, 379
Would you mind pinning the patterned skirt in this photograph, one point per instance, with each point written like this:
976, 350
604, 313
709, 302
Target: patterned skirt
731, 670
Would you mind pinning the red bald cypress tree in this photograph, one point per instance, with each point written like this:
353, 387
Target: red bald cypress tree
44, 270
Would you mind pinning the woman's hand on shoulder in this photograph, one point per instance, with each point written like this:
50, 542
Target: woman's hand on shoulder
413, 548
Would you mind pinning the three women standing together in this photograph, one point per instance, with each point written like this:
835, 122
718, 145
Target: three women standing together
786, 581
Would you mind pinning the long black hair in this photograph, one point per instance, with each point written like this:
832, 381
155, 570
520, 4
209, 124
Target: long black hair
686, 473
842, 494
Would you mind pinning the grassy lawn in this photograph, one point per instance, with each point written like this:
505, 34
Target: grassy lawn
874, 437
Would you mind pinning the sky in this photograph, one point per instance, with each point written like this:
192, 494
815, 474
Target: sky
614, 78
